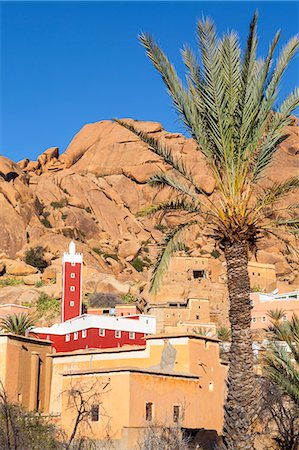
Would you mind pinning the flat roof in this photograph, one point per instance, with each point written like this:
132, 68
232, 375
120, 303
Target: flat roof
182, 334
18, 337
91, 351
132, 370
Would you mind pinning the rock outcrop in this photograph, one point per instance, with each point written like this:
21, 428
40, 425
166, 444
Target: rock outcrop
93, 192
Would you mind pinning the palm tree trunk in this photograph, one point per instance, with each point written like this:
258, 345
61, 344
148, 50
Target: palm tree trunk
240, 406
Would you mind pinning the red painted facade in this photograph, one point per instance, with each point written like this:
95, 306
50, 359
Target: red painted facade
72, 296
93, 339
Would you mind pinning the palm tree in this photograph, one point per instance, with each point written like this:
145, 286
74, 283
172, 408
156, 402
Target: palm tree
227, 107
282, 360
16, 323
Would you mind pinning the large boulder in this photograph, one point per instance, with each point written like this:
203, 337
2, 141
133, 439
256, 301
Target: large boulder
19, 268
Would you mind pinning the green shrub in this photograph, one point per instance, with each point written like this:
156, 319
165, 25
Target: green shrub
128, 298
138, 264
10, 282
59, 204
110, 255
64, 216
46, 223
160, 227
45, 303
215, 253
88, 209
39, 283
35, 257
98, 251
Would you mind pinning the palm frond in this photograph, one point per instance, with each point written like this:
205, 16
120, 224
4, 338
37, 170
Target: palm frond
276, 192
17, 323
173, 205
164, 152
282, 357
172, 243
212, 87
291, 225
162, 179
275, 134
180, 97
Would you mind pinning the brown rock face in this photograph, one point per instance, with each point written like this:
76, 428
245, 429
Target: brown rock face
92, 193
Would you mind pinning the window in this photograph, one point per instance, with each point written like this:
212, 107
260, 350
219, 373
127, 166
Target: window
148, 411
72, 288
84, 333
197, 317
253, 320
75, 335
264, 319
131, 335
67, 337
73, 264
95, 413
72, 275
101, 332
199, 274
176, 413
117, 334
72, 303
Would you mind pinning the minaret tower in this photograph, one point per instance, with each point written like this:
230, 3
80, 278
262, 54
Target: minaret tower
72, 263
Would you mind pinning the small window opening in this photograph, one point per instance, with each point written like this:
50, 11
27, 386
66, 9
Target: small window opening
148, 411
95, 413
176, 413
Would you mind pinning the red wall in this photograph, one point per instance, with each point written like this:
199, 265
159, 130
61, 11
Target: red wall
68, 296
92, 340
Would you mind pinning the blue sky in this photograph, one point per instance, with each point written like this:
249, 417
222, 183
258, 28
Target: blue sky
65, 64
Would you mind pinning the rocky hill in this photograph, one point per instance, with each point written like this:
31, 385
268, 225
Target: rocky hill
92, 193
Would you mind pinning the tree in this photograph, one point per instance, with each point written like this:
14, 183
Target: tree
228, 109
17, 323
20, 429
279, 417
85, 403
282, 357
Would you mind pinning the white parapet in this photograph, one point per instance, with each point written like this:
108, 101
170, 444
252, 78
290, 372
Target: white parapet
71, 256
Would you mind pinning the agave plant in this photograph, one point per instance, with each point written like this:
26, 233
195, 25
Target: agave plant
275, 316
282, 358
227, 107
224, 334
16, 323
